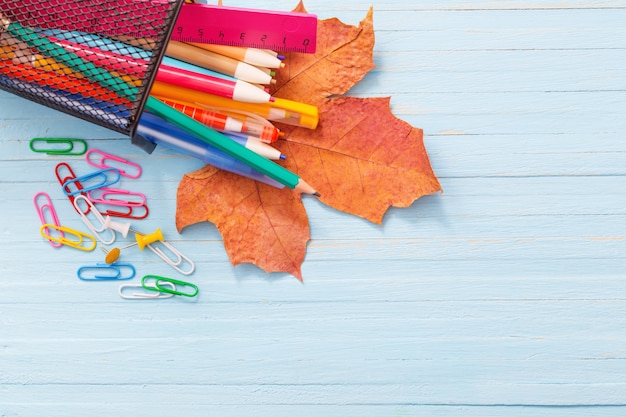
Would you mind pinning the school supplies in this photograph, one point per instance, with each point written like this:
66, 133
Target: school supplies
224, 122
152, 131
47, 209
79, 242
212, 119
255, 145
230, 147
250, 56
254, 28
156, 283
121, 227
68, 179
106, 176
67, 147
96, 229
206, 59
120, 164
281, 110
239, 90
106, 272
23, 24
113, 197
150, 294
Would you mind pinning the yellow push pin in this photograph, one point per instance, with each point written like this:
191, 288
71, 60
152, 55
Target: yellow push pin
142, 241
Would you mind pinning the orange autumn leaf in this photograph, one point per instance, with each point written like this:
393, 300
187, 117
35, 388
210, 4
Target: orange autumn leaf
260, 224
361, 158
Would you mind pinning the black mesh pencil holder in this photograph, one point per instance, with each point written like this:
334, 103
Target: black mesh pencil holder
94, 59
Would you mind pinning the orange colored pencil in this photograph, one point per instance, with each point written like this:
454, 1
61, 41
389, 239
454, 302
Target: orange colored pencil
63, 82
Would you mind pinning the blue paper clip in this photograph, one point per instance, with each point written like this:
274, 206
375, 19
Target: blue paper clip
102, 173
105, 272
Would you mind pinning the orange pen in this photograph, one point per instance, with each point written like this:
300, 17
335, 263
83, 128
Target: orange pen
265, 133
212, 119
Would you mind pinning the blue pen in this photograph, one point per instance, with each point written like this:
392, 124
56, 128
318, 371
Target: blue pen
160, 132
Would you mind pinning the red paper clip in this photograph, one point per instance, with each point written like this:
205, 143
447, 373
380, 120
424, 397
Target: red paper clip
103, 157
63, 180
129, 214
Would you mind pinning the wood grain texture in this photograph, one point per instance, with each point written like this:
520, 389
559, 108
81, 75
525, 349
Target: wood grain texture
502, 296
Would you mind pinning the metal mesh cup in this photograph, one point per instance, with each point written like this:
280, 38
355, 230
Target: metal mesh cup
94, 59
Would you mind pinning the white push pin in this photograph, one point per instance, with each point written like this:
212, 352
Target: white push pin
123, 228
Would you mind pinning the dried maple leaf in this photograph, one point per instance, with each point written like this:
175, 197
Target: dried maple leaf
361, 158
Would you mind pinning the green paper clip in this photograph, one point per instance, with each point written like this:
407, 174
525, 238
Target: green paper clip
159, 281
68, 149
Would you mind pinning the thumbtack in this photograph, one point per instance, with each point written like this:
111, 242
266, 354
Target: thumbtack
123, 228
142, 241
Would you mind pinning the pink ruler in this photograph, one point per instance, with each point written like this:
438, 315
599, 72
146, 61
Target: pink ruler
280, 31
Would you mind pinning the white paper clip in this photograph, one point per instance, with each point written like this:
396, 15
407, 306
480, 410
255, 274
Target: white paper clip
96, 230
144, 294
179, 257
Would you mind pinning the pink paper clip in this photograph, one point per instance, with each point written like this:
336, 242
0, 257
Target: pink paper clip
103, 157
100, 195
44, 208
63, 179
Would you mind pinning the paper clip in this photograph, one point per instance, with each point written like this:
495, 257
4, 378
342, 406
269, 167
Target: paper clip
180, 258
128, 214
96, 230
151, 294
105, 181
106, 191
76, 244
63, 179
67, 150
159, 281
111, 272
47, 207
103, 157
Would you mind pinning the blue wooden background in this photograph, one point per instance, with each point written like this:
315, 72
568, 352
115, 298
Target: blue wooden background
503, 296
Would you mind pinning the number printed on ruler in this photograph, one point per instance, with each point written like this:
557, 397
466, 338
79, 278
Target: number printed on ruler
253, 28
204, 23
